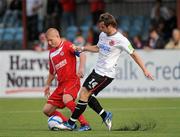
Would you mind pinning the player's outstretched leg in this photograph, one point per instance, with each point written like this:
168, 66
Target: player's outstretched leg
108, 120
96, 106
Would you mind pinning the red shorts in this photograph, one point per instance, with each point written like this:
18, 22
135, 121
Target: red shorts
69, 87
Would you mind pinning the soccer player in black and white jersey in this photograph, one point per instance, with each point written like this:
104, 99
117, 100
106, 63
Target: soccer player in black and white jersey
110, 45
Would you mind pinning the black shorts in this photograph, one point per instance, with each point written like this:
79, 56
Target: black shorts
95, 82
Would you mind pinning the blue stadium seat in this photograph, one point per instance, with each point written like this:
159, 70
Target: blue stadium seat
85, 29
139, 26
124, 27
147, 23
1, 33
71, 33
19, 34
18, 24
18, 38
8, 34
139, 18
10, 18
146, 27
8, 38
135, 30
124, 23
87, 21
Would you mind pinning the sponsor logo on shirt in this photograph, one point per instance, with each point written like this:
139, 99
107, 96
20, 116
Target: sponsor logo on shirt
61, 64
111, 42
104, 48
62, 53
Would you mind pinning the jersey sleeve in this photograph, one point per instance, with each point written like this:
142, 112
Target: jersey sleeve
125, 45
70, 46
71, 49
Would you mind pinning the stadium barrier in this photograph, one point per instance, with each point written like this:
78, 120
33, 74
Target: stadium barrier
23, 74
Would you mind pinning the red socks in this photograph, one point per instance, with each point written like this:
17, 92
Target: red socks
71, 105
57, 113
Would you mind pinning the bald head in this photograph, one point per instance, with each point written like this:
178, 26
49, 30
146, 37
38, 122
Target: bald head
53, 37
52, 31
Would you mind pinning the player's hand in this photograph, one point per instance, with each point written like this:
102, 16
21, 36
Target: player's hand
80, 73
47, 91
74, 47
148, 75
77, 48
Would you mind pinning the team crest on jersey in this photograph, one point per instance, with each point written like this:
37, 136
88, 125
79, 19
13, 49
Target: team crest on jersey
111, 43
62, 53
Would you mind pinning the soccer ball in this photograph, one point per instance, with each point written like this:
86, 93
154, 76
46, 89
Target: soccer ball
54, 122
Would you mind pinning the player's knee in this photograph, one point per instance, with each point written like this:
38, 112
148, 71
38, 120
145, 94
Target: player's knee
67, 98
84, 95
46, 111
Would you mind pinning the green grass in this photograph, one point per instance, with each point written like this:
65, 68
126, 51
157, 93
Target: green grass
131, 118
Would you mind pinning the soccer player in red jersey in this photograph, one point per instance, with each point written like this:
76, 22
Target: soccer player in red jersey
62, 63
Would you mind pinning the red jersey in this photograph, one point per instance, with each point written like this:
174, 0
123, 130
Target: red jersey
62, 62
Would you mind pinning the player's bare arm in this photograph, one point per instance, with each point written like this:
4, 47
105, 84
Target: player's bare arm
93, 48
48, 83
139, 61
81, 68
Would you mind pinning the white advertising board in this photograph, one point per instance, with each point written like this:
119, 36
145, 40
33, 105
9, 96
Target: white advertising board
23, 74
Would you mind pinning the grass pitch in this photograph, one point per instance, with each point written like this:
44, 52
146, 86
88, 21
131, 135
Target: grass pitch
131, 118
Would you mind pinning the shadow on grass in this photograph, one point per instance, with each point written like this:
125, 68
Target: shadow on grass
137, 126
